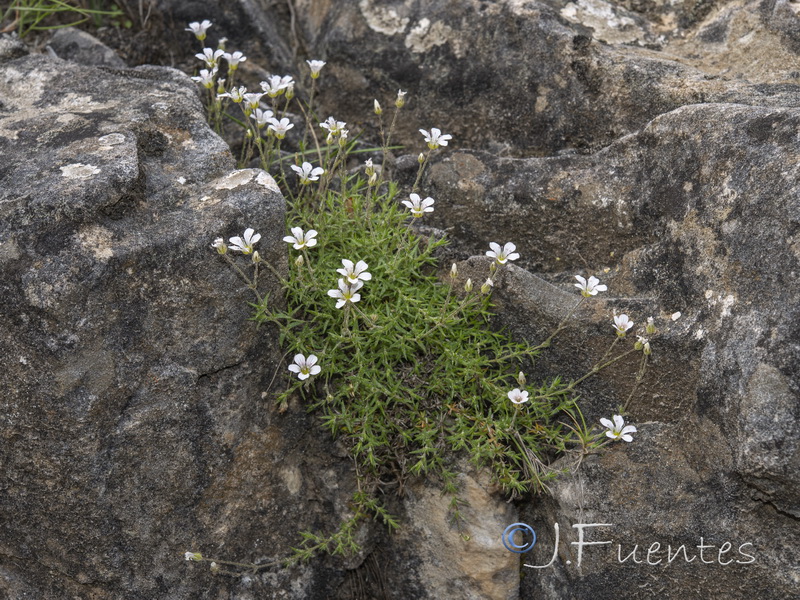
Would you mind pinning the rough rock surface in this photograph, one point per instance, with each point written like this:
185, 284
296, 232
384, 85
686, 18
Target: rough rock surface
133, 426
654, 144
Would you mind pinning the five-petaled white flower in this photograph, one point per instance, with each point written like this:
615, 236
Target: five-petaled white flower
308, 172
316, 67
502, 255
419, 207
236, 94
234, 58
333, 126
245, 244
206, 78
262, 117
275, 86
622, 323
199, 29
301, 240
304, 367
353, 273
210, 56
346, 292
517, 396
590, 287
280, 127
253, 98
435, 138
618, 430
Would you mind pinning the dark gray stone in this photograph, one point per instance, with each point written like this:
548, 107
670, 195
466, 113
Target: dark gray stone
137, 421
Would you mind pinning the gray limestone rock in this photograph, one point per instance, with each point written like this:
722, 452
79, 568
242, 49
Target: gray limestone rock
136, 420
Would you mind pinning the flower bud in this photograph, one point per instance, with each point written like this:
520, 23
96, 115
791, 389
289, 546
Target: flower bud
220, 86
214, 567
650, 328
221, 43
256, 257
298, 262
329, 139
487, 286
521, 379
220, 246
401, 99
194, 556
646, 349
468, 286
290, 91
421, 158
373, 178
492, 268
377, 108
454, 271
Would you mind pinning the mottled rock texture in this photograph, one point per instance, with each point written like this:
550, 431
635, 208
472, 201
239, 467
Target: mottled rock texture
654, 144
132, 422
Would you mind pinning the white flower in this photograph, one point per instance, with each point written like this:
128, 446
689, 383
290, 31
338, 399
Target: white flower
315, 66
618, 430
353, 273
275, 86
419, 207
219, 245
333, 126
435, 138
234, 59
210, 56
301, 240
517, 396
262, 117
206, 78
502, 255
253, 98
591, 287
245, 246
195, 556
304, 367
308, 172
280, 127
236, 94
401, 100
199, 29
346, 293
622, 323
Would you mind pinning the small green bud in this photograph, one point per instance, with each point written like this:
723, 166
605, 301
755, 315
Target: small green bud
377, 108
256, 257
401, 99
468, 286
298, 262
454, 271
290, 92
650, 328
486, 288
421, 158
193, 556
521, 379
373, 178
